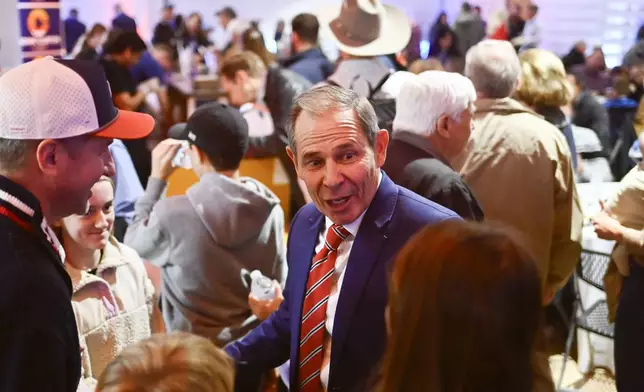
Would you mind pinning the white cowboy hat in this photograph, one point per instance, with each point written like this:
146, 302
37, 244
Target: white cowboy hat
366, 27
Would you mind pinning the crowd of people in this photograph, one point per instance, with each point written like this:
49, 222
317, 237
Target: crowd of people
434, 208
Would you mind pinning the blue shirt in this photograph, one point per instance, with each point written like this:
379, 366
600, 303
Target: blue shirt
128, 186
148, 68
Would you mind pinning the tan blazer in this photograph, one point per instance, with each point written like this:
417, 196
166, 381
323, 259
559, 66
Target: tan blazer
113, 308
519, 168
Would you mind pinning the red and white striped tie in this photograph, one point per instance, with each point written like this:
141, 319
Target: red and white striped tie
318, 288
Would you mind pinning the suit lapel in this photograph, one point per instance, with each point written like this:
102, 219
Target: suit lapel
365, 252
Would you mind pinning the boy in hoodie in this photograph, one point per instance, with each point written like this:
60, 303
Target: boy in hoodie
203, 239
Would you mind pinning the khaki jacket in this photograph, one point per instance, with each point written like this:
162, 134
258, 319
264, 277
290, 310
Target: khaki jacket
519, 168
626, 206
113, 307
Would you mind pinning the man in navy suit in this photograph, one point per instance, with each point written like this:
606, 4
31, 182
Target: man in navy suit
74, 29
122, 21
331, 324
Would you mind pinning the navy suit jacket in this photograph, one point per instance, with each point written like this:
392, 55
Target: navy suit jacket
359, 333
124, 22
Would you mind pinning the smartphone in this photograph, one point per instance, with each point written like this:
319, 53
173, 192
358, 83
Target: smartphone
181, 158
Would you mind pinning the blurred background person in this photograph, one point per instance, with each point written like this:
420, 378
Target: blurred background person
192, 35
576, 56
252, 41
531, 34
165, 31
444, 48
440, 24
463, 311
515, 22
74, 29
245, 79
89, 45
468, 28
121, 20
307, 59
113, 297
544, 88
588, 112
412, 51
122, 51
594, 72
432, 125
178, 362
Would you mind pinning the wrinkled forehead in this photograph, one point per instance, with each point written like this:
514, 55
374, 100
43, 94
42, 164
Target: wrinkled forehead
333, 119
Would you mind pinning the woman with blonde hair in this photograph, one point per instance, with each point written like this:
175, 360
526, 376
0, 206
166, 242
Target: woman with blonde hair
112, 294
179, 362
545, 88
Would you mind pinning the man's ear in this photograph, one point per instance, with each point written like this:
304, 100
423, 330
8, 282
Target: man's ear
442, 126
47, 155
241, 77
291, 154
380, 147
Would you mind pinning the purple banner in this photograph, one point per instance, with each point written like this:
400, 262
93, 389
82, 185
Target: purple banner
40, 29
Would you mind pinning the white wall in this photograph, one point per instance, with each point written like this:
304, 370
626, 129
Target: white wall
9, 32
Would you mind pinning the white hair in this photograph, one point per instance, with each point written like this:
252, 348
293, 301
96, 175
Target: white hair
494, 68
430, 95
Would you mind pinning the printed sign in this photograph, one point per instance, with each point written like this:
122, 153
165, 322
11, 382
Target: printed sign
40, 29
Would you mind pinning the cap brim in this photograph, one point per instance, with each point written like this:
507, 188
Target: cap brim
177, 131
128, 125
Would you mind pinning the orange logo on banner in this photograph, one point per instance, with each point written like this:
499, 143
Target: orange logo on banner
38, 23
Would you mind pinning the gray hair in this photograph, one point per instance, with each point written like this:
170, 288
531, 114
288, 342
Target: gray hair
494, 68
327, 98
14, 153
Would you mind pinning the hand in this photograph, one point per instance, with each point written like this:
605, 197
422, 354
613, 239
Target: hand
162, 156
150, 86
262, 308
606, 226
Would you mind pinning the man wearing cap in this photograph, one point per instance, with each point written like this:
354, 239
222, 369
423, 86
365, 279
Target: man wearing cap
56, 123
363, 31
202, 240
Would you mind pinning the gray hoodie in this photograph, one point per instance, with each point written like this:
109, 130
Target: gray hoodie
201, 242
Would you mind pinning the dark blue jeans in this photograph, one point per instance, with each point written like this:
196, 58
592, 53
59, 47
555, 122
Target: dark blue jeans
629, 333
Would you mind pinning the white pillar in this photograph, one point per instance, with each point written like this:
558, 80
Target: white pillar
10, 55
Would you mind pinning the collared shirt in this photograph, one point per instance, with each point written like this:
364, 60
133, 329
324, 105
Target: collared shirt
344, 251
128, 186
531, 34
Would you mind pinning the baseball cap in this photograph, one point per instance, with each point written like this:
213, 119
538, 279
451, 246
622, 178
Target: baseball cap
219, 130
55, 99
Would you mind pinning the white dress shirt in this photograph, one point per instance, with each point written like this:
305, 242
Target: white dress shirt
342, 258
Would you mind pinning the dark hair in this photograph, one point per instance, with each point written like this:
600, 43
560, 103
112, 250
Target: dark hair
464, 306
307, 27
253, 41
435, 48
119, 41
466, 7
438, 19
228, 12
73, 12
477, 8
534, 8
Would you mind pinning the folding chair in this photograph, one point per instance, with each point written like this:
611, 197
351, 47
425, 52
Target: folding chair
591, 317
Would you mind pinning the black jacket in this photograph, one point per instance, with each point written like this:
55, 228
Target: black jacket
589, 113
282, 87
412, 164
163, 34
39, 349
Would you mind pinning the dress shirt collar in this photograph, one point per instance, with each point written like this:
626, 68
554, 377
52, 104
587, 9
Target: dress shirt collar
354, 226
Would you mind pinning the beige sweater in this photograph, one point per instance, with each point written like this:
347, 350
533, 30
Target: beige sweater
112, 308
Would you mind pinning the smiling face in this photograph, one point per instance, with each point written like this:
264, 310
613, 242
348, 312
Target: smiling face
92, 230
336, 161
